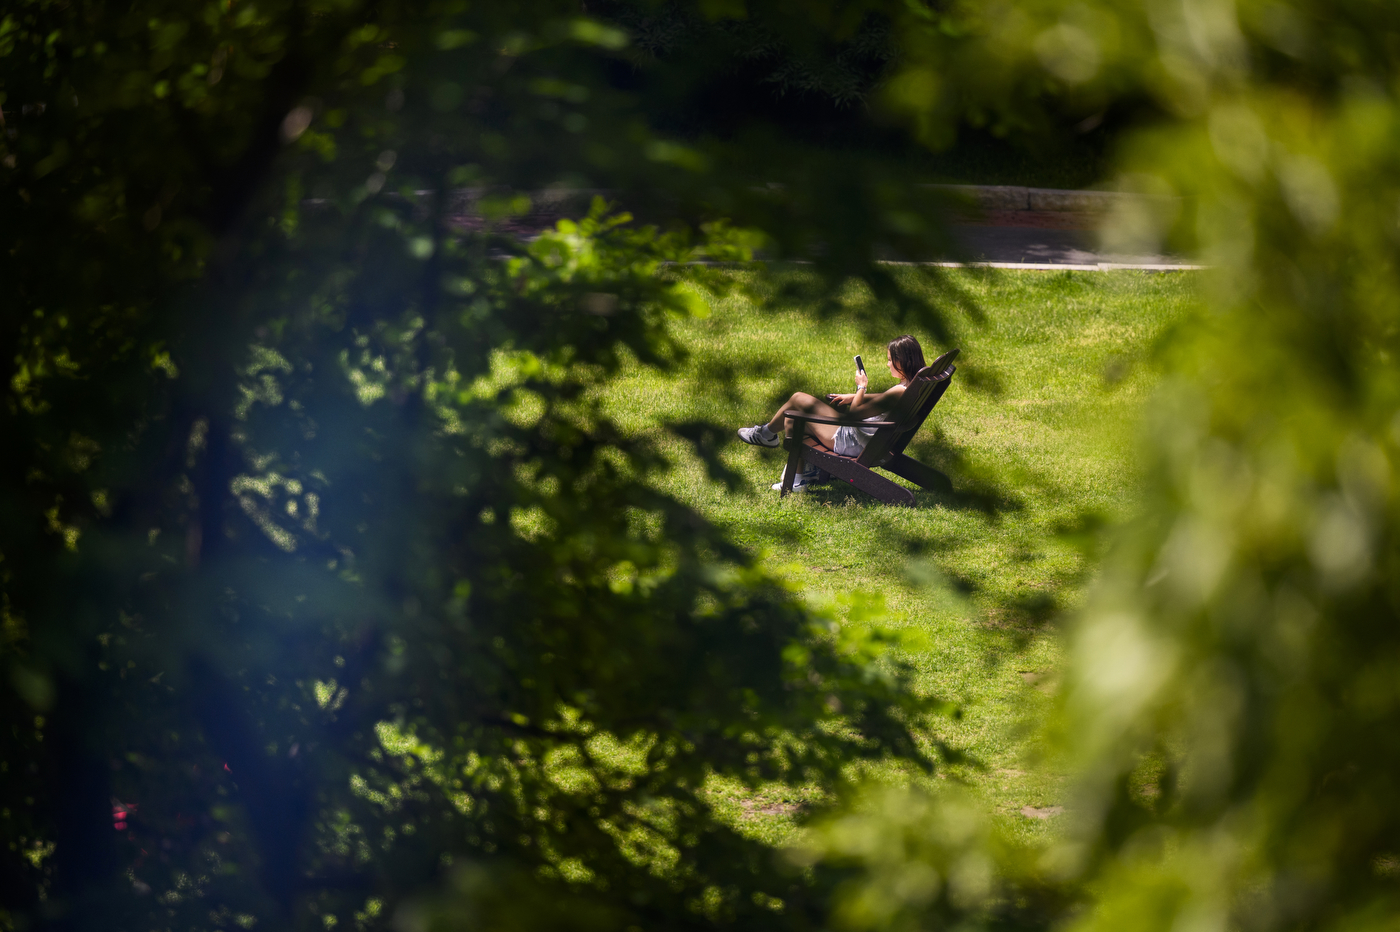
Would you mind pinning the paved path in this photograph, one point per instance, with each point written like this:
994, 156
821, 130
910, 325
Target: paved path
1027, 244
1014, 227
1046, 241
1047, 248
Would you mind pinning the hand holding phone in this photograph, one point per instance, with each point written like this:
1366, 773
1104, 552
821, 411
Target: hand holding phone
861, 380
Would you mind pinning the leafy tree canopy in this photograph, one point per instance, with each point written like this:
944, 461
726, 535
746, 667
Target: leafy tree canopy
324, 577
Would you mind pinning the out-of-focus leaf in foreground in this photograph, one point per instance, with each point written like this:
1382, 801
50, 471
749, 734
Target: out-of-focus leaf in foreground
1232, 694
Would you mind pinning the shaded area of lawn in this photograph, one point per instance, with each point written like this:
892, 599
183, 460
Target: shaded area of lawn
1036, 432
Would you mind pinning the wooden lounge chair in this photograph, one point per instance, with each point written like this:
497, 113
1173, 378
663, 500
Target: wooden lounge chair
886, 447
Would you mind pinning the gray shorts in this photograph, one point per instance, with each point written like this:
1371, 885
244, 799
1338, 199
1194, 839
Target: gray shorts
850, 441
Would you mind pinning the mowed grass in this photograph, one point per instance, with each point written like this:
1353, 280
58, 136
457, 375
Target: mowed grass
1037, 433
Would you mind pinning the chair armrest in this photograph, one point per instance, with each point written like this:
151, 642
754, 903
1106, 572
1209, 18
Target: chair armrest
843, 421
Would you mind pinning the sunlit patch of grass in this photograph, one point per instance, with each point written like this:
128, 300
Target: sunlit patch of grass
1036, 433
770, 815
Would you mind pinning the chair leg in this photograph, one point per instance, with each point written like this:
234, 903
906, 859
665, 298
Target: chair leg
794, 446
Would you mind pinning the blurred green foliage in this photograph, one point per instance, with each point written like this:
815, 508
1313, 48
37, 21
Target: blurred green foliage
328, 589
1231, 692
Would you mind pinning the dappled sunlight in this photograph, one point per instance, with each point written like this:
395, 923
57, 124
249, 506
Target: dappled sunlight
1036, 465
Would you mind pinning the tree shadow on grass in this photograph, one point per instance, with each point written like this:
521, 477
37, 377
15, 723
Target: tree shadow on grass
933, 558
717, 377
1033, 608
873, 297
974, 488
707, 441
1026, 613
779, 527
716, 380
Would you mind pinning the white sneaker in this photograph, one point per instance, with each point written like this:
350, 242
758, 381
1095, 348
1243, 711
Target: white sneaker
759, 436
809, 476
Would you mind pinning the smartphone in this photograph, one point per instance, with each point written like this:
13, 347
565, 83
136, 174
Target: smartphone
859, 365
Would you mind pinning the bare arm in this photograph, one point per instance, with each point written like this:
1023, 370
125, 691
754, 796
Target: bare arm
863, 405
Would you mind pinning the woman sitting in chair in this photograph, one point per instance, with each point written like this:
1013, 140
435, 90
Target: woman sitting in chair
905, 358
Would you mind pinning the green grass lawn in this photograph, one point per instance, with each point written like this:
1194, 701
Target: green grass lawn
1037, 434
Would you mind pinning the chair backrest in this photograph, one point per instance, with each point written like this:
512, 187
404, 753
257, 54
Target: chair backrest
923, 392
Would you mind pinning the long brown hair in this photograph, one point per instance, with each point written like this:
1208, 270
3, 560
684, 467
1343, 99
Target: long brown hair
907, 355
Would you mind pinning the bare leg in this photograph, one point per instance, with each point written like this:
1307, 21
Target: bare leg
807, 404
